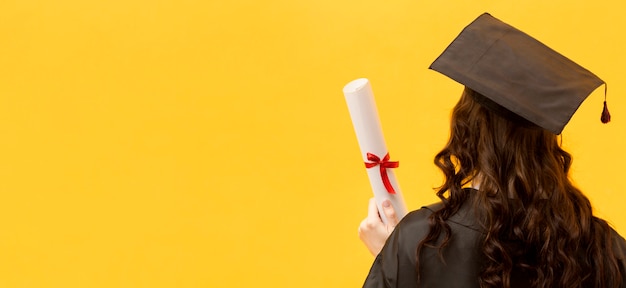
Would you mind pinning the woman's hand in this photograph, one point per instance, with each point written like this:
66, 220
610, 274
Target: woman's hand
372, 231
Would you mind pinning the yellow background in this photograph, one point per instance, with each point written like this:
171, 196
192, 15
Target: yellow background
207, 143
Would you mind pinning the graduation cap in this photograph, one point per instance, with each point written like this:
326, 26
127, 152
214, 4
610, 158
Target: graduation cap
518, 73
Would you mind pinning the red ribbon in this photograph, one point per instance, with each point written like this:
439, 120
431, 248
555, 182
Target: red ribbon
384, 164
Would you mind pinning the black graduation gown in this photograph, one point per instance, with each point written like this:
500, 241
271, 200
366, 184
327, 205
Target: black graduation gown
395, 264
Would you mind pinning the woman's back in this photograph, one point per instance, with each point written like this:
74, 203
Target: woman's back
460, 261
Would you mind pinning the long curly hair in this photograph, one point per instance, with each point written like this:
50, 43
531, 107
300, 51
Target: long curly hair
533, 218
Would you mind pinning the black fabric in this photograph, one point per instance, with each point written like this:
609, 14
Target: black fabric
501, 111
395, 264
517, 72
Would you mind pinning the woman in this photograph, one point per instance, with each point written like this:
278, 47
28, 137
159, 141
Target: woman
509, 216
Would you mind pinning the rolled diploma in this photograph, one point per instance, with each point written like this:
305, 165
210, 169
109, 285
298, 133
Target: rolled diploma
369, 134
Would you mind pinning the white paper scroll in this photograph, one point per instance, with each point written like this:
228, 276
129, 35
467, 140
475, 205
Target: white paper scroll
369, 133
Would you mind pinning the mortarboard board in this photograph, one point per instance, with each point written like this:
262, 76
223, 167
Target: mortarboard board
518, 72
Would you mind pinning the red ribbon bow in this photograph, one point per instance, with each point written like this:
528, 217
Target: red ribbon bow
384, 164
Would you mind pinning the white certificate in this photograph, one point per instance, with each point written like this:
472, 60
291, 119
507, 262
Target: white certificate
375, 155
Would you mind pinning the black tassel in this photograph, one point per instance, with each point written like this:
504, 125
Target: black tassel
606, 116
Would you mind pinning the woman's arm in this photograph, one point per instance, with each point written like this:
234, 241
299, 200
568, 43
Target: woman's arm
372, 231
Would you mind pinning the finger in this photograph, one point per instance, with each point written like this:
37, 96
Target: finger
372, 212
390, 213
362, 228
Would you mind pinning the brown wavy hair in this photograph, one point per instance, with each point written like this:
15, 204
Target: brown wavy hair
533, 218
